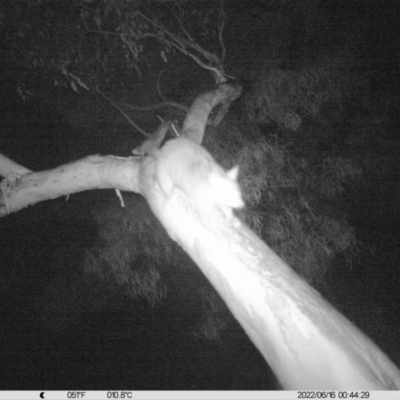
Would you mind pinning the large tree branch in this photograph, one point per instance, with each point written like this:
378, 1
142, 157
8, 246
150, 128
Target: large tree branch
307, 343
9, 167
22, 187
93, 172
196, 119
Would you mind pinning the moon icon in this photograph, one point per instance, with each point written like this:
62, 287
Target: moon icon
41, 395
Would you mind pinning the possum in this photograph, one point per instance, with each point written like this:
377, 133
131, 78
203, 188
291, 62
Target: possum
187, 166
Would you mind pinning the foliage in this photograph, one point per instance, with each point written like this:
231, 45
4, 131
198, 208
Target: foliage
293, 203
286, 96
213, 319
98, 44
129, 254
295, 173
134, 257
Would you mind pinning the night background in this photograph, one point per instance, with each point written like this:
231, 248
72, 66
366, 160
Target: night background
95, 296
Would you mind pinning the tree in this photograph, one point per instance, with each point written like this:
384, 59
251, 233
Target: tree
281, 314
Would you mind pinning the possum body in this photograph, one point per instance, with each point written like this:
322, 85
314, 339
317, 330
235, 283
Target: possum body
185, 165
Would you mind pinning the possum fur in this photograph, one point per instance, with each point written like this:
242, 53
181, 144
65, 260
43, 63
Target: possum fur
185, 165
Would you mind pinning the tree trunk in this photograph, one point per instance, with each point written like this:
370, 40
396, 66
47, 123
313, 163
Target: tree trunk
307, 343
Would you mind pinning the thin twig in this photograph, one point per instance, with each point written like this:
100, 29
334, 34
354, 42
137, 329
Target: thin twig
143, 132
221, 26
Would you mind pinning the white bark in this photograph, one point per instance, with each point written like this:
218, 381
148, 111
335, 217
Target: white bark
307, 343
22, 187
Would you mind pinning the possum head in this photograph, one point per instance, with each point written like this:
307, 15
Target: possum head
225, 189
185, 165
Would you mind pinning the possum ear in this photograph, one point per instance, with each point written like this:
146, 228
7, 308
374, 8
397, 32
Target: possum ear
233, 173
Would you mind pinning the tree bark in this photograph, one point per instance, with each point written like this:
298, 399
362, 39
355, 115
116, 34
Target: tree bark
22, 187
307, 343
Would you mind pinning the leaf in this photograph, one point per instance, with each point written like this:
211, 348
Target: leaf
74, 87
163, 56
97, 19
79, 82
63, 69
